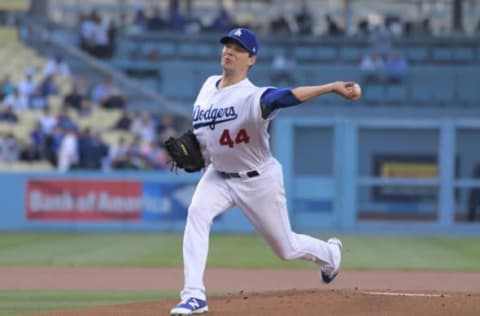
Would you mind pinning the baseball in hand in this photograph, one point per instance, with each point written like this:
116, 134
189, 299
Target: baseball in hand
357, 91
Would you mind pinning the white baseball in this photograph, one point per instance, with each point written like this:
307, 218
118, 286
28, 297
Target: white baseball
357, 91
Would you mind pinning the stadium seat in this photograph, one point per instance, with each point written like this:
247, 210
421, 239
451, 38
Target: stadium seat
468, 87
417, 54
326, 53
350, 54
396, 93
442, 54
305, 53
464, 54
373, 93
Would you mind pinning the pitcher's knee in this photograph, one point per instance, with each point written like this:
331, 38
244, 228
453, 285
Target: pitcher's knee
198, 215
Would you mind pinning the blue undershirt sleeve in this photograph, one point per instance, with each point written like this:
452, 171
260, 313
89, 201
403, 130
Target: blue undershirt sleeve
274, 98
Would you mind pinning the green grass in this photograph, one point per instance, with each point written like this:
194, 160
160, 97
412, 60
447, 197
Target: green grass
230, 250
226, 250
28, 302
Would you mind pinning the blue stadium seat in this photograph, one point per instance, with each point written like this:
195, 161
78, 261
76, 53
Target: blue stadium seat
305, 52
432, 85
166, 49
326, 53
396, 93
194, 50
373, 93
468, 87
351, 54
464, 54
442, 54
417, 54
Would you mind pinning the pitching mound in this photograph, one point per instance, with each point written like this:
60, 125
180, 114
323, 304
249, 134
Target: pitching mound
310, 302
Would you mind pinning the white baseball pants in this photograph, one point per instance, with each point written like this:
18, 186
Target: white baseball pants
262, 201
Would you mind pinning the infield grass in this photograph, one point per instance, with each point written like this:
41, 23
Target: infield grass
232, 250
28, 302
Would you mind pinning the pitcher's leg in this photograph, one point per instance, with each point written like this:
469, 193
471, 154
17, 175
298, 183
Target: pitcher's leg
211, 198
263, 201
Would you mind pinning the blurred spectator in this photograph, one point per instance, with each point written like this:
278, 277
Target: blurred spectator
222, 22
8, 115
140, 19
68, 151
193, 25
6, 87
47, 120
56, 66
372, 67
2, 145
82, 86
65, 121
92, 151
118, 155
29, 153
107, 96
86, 109
102, 90
283, 65
177, 20
156, 22
27, 86
394, 25
124, 122
47, 87
143, 126
396, 67
52, 145
280, 25
135, 158
304, 21
16, 100
88, 26
363, 27
101, 41
38, 138
73, 99
10, 149
380, 41
333, 27
112, 30
425, 27
166, 128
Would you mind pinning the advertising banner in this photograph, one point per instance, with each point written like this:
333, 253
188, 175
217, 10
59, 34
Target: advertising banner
106, 200
91, 200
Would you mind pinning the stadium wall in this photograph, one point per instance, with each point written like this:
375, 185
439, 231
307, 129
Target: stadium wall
340, 173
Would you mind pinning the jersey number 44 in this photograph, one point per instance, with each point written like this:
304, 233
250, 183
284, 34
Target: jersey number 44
227, 140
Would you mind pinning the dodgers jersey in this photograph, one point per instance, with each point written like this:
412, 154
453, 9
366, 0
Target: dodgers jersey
229, 126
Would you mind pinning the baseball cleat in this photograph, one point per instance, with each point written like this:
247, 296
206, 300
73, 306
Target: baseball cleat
190, 306
328, 273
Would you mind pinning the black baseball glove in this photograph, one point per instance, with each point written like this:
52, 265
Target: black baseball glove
185, 152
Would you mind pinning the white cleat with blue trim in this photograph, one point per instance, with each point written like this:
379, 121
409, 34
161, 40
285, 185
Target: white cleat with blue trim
190, 306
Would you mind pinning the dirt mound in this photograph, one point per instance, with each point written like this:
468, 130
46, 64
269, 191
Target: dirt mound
309, 302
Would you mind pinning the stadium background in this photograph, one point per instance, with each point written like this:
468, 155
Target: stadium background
402, 161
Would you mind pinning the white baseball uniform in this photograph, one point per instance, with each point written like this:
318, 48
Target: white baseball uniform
242, 171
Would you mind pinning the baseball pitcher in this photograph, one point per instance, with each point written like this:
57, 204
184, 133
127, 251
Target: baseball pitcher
230, 142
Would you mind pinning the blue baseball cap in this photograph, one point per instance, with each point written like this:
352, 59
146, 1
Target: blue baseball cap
245, 37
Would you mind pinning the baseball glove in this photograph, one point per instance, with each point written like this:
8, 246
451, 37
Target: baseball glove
185, 152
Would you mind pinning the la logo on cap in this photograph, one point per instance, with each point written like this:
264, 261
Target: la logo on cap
238, 32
